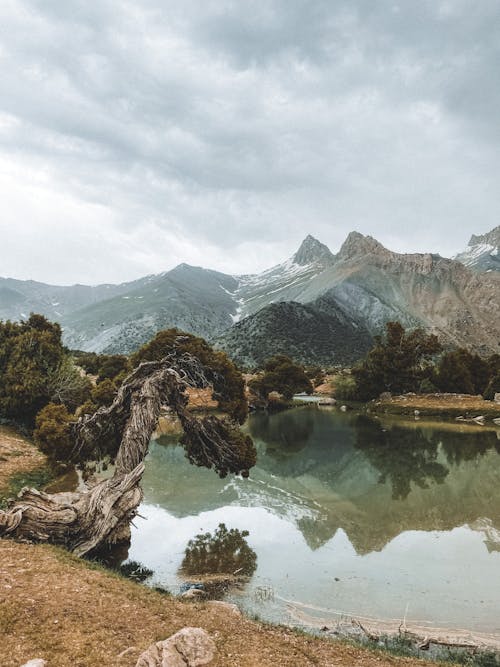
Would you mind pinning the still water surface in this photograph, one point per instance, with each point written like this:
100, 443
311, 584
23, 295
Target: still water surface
345, 514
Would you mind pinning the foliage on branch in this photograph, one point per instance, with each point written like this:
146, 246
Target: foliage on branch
211, 442
226, 380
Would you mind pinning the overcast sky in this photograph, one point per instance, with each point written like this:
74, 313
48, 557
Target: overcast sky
138, 134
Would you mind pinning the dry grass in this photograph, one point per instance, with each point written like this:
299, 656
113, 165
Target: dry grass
17, 456
55, 606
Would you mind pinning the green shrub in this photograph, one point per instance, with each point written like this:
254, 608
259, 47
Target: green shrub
52, 432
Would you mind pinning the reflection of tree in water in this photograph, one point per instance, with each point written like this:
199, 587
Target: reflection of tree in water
224, 552
466, 446
283, 433
401, 455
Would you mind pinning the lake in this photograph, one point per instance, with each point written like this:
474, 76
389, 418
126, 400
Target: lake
346, 515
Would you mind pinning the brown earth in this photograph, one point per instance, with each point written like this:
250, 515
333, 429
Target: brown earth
17, 456
70, 612
55, 606
451, 405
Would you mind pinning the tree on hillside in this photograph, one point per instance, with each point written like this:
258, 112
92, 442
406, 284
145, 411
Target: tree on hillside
283, 375
397, 363
461, 371
30, 354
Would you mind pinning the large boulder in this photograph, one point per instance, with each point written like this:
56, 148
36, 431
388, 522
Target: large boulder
190, 647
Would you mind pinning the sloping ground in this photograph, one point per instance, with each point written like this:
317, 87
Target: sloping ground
317, 333
55, 606
17, 457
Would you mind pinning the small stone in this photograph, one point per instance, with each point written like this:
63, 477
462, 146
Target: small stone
36, 662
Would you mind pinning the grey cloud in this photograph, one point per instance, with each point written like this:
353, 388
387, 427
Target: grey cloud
225, 125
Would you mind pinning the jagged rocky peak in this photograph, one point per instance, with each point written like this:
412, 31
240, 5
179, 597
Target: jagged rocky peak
313, 251
483, 252
490, 238
357, 245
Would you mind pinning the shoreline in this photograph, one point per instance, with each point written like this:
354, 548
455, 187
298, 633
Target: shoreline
66, 610
49, 570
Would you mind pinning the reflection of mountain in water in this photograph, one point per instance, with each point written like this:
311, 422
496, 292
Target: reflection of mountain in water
325, 470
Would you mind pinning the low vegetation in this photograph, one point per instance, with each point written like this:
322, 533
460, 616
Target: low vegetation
282, 375
411, 361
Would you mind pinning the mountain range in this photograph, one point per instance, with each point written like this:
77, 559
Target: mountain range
316, 306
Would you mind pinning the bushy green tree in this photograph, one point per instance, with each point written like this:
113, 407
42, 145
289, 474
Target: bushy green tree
104, 393
52, 432
283, 375
397, 363
30, 354
113, 366
69, 385
461, 371
227, 380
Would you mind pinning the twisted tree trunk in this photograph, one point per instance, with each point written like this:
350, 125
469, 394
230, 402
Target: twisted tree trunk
85, 521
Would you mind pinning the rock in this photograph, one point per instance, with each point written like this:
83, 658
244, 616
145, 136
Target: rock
496, 397
343, 408
497, 421
37, 662
416, 413
193, 594
190, 647
478, 420
225, 606
385, 396
327, 401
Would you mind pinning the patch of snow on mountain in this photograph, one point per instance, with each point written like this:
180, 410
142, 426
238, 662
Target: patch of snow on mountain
472, 253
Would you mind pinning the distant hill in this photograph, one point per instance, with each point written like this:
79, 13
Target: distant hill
316, 305
317, 333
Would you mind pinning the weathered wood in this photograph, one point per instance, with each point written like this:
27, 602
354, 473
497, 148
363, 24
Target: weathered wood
83, 522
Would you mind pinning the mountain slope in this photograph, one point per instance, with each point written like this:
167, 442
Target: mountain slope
483, 252
190, 298
19, 298
284, 282
318, 333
